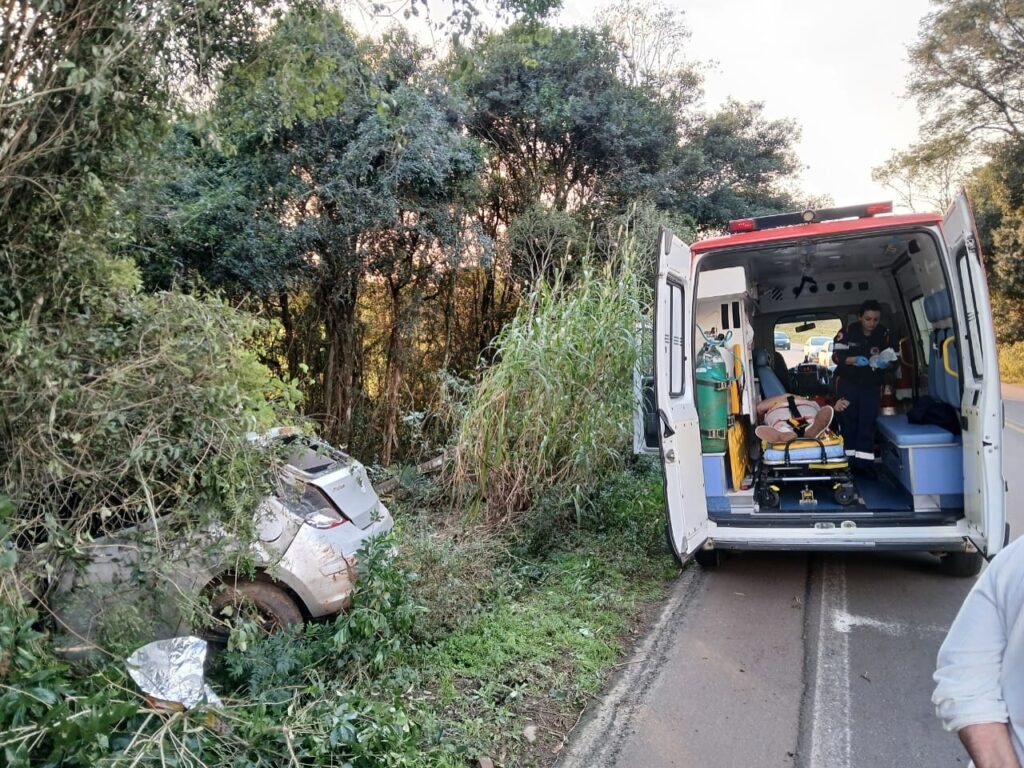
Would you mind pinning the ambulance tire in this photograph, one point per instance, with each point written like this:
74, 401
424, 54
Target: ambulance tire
708, 558
961, 564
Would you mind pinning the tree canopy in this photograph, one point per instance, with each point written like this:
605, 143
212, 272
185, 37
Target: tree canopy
968, 68
968, 78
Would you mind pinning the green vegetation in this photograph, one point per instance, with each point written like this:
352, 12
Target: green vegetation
967, 73
447, 653
1011, 363
553, 415
220, 216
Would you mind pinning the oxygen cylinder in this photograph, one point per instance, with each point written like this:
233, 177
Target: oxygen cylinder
712, 399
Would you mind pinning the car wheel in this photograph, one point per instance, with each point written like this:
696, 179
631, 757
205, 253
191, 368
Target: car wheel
708, 558
961, 564
268, 605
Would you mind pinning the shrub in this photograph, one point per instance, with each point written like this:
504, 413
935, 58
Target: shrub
1011, 362
554, 411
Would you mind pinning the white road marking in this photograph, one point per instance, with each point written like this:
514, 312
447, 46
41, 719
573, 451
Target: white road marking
830, 733
845, 622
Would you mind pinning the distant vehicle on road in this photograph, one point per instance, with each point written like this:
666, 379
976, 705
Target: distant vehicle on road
825, 355
813, 346
782, 340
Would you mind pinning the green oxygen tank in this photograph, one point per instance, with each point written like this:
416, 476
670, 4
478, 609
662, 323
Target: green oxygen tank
712, 397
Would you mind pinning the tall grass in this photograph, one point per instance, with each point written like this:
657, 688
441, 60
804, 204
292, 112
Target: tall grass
1011, 363
553, 414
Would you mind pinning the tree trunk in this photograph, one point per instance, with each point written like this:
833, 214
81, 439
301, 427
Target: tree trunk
339, 306
291, 347
393, 381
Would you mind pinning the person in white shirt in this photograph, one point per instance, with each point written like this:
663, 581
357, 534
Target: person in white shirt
980, 668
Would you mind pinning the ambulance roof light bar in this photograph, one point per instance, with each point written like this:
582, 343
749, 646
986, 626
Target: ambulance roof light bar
810, 216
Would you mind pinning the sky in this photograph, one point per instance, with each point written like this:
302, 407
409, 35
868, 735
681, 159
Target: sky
838, 69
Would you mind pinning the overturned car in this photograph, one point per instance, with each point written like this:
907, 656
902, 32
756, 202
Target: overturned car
297, 562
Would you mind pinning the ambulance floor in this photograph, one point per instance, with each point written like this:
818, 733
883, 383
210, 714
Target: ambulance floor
880, 494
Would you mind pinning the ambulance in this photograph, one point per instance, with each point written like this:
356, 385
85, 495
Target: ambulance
936, 487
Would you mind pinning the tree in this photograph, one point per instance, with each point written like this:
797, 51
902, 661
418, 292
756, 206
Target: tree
119, 406
928, 174
968, 68
732, 164
651, 39
968, 77
349, 163
562, 130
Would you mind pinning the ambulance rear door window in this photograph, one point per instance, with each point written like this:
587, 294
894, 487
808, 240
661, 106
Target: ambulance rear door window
924, 328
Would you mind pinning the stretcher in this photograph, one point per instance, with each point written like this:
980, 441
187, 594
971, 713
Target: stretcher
817, 463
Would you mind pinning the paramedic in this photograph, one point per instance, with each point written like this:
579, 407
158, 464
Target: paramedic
859, 382
980, 670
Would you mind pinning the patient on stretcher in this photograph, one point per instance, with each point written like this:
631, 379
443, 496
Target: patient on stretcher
788, 417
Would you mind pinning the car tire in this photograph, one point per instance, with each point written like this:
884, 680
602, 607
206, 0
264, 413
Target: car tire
961, 564
271, 606
708, 558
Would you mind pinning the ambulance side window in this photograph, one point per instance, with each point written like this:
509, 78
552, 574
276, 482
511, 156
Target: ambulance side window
923, 327
973, 339
676, 347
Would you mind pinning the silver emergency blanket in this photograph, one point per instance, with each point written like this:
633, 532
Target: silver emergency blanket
172, 671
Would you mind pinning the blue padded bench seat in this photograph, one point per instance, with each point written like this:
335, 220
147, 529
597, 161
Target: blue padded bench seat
924, 458
903, 434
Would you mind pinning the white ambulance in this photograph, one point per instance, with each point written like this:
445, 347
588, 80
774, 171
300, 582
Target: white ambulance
934, 488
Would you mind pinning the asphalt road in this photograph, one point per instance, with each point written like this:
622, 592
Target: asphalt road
775, 659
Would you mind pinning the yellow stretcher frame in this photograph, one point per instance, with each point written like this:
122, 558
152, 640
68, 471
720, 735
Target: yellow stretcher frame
736, 436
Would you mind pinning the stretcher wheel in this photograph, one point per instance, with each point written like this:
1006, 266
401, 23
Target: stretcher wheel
845, 495
768, 497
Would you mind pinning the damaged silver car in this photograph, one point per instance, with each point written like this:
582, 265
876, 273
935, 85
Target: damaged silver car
300, 566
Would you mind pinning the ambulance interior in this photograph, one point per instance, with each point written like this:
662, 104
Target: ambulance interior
744, 295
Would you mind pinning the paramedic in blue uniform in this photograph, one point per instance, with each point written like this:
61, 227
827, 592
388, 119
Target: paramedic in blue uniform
859, 382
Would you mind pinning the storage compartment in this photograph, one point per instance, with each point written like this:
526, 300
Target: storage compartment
926, 459
715, 481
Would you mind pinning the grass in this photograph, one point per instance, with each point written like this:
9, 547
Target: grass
1011, 363
542, 630
554, 410
468, 644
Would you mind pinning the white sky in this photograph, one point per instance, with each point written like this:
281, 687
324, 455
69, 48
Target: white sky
838, 69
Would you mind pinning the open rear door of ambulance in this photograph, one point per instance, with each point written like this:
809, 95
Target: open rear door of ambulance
981, 406
679, 430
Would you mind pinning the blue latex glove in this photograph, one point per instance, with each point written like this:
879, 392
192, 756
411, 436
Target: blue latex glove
861, 361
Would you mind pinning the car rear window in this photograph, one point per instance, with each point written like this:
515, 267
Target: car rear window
312, 457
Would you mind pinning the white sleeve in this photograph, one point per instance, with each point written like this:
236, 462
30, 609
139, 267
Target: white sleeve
970, 661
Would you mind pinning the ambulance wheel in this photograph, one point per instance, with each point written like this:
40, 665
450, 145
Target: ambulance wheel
768, 497
961, 564
845, 495
708, 558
